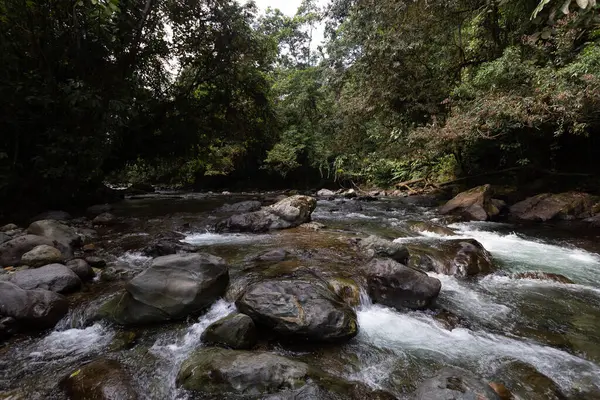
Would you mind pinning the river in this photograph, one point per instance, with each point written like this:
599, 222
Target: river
551, 326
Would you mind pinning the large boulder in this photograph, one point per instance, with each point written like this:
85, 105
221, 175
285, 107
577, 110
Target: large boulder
54, 277
12, 250
561, 206
455, 384
42, 255
65, 237
299, 307
102, 379
396, 285
235, 331
287, 213
459, 257
474, 204
172, 288
242, 206
374, 246
36, 309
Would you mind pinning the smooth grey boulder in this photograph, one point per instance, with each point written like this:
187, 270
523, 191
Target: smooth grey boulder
42, 255
35, 309
455, 384
54, 277
172, 288
235, 331
12, 250
396, 285
374, 246
65, 236
299, 307
82, 269
287, 213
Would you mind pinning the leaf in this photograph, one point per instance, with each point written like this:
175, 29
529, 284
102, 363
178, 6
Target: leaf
74, 374
539, 8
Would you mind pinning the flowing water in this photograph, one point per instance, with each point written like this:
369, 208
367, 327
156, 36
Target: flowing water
551, 326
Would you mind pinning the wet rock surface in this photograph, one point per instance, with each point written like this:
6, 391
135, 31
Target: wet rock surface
474, 204
54, 277
102, 379
236, 331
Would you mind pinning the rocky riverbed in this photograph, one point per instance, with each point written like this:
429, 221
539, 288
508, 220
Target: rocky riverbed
261, 295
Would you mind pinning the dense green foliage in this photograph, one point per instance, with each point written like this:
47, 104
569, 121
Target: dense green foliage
211, 92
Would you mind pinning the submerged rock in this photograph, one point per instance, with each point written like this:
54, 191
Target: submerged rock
455, 384
302, 307
102, 379
561, 206
12, 250
241, 372
396, 285
241, 207
42, 255
458, 257
65, 237
544, 276
235, 331
474, 204
105, 219
54, 277
375, 246
35, 309
287, 213
526, 382
172, 288
424, 226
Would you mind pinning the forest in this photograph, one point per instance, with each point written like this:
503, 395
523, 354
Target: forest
214, 94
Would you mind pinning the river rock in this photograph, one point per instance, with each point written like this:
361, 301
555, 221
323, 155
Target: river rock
8, 227
65, 237
36, 309
474, 204
545, 276
561, 206
95, 262
82, 269
4, 237
424, 226
455, 384
167, 243
375, 246
102, 379
396, 285
242, 206
42, 255
172, 288
105, 219
54, 277
241, 372
287, 213
54, 214
235, 331
526, 382
12, 250
302, 307
98, 209
325, 193
458, 257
